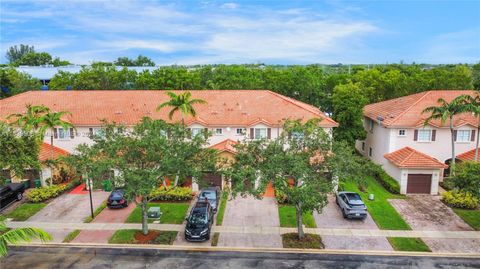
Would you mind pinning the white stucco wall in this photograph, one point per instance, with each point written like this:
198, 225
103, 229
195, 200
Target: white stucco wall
378, 139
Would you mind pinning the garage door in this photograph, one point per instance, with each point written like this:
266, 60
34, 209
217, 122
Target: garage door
419, 183
212, 179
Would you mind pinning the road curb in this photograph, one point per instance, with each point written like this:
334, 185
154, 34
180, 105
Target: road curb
257, 250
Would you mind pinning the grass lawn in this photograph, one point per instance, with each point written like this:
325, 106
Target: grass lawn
128, 237
173, 213
25, 211
472, 217
221, 208
291, 240
215, 238
382, 212
408, 244
288, 217
71, 236
96, 212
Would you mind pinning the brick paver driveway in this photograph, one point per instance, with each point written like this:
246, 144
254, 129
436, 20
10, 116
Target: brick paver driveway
106, 216
251, 212
68, 208
428, 213
331, 217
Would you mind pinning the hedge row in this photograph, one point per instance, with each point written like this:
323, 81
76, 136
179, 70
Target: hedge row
460, 199
171, 194
45, 193
386, 180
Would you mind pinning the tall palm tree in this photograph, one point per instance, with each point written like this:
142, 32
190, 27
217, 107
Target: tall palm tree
49, 121
15, 236
473, 106
447, 111
182, 102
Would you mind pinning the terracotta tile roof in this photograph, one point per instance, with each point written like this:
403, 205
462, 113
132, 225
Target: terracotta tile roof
468, 156
409, 158
224, 107
46, 152
406, 111
226, 145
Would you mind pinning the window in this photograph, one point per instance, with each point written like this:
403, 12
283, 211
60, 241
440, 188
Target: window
63, 133
196, 131
260, 133
363, 146
218, 131
370, 152
463, 135
371, 124
240, 131
424, 135
401, 132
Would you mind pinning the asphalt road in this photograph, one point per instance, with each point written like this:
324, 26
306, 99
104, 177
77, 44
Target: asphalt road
69, 257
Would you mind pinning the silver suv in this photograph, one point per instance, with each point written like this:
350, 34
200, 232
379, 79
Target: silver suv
351, 205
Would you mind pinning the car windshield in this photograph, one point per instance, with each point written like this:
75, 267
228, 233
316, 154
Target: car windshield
210, 195
198, 217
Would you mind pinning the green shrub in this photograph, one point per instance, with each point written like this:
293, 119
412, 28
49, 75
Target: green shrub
386, 180
459, 199
341, 186
447, 184
467, 178
171, 194
281, 197
44, 193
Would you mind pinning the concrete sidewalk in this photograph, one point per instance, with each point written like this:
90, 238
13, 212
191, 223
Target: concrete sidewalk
249, 230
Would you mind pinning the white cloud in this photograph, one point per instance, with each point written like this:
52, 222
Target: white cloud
229, 6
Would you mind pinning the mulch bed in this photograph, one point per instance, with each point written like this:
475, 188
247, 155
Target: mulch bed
145, 239
291, 240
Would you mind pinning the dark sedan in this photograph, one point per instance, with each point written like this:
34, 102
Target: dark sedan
10, 193
117, 199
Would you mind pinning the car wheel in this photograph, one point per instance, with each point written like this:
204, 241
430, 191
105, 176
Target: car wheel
19, 196
208, 236
344, 215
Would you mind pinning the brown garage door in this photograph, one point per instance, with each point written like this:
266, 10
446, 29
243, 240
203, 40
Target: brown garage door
419, 183
212, 179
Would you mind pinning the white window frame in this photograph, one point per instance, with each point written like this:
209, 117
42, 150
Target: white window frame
259, 134
65, 132
217, 131
465, 138
242, 131
196, 131
400, 131
421, 138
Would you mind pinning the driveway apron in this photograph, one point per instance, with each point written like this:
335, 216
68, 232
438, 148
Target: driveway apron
428, 213
251, 212
331, 217
106, 216
68, 208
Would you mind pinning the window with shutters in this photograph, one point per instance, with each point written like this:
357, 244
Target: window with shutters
260, 133
63, 134
463, 136
424, 135
241, 131
196, 131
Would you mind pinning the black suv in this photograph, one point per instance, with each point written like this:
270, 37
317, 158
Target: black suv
199, 222
117, 199
212, 195
11, 192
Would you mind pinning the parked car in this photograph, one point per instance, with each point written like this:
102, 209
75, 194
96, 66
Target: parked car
117, 199
212, 195
199, 222
10, 193
351, 205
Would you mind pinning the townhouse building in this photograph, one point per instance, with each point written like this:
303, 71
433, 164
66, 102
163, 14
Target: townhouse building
416, 154
230, 115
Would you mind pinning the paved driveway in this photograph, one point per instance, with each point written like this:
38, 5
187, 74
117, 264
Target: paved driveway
331, 217
251, 212
425, 212
68, 208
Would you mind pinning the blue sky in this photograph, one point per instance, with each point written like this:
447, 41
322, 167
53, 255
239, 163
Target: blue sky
273, 32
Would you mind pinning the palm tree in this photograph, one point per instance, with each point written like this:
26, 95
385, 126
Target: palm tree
473, 106
182, 102
49, 121
19, 235
30, 120
447, 111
